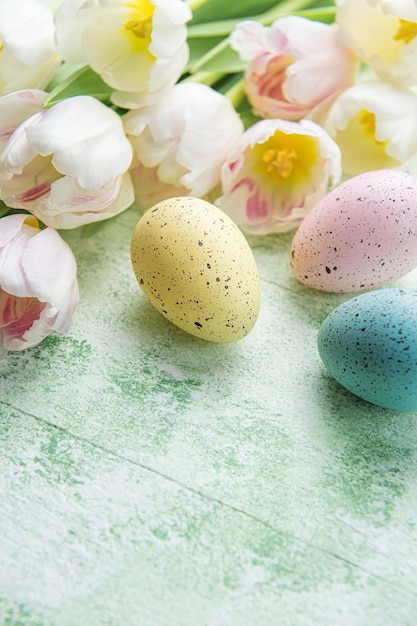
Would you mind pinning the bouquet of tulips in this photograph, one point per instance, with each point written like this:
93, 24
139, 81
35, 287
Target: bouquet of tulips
260, 108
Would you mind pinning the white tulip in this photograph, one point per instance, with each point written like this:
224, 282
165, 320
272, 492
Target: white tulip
186, 136
383, 33
375, 126
137, 47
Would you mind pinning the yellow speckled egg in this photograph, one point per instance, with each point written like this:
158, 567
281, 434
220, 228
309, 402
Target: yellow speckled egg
197, 269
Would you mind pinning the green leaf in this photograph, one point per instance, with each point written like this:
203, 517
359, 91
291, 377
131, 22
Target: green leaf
227, 82
200, 47
246, 114
218, 58
321, 10
212, 10
4, 209
220, 28
75, 81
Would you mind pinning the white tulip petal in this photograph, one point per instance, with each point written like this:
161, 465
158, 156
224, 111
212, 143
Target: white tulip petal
176, 11
27, 31
393, 140
17, 107
374, 31
167, 71
16, 75
186, 135
70, 20
116, 62
139, 64
18, 151
405, 9
169, 30
86, 139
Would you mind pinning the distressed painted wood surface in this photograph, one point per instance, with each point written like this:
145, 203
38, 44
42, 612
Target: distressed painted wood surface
150, 479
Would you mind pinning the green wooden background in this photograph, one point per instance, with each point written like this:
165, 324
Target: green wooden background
150, 479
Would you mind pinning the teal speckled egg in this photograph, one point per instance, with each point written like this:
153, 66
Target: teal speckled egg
369, 345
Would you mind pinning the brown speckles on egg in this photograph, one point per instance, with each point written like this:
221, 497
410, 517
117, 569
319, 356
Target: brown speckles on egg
196, 277
366, 228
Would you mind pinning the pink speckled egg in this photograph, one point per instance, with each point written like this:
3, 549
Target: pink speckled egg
360, 235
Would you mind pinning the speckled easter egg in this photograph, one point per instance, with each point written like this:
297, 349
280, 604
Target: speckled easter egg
369, 345
197, 269
360, 235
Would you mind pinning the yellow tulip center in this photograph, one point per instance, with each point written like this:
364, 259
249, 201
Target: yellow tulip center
1, 45
141, 28
280, 160
406, 31
287, 158
139, 25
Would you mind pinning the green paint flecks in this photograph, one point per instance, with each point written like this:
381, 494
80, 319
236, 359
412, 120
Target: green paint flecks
19, 615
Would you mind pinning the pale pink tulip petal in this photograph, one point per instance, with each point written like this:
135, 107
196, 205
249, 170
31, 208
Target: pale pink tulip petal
70, 206
45, 261
38, 283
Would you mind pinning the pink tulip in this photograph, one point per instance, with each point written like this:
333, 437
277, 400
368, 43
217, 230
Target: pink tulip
296, 66
38, 283
276, 173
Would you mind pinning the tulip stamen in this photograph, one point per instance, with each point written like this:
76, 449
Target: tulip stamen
282, 161
141, 28
406, 31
